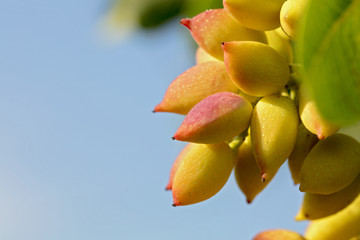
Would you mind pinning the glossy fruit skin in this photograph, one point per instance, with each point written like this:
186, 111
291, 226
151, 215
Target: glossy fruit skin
177, 163
340, 226
311, 117
317, 206
202, 56
305, 141
247, 172
194, 85
203, 172
215, 119
278, 234
290, 16
212, 27
331, 165
255, 68
255, 14
281, 44
272, 145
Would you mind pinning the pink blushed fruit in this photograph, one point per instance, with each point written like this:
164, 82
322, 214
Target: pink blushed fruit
215, 119
194, 85
210, 28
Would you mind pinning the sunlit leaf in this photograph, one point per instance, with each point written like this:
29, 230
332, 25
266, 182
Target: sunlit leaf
329, 49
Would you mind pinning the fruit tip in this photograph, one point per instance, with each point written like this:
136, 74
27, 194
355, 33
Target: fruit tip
295, 181
173, 138
300, 216
157, 108
174, 205
248, 201
186, 22
320, 136
263, 177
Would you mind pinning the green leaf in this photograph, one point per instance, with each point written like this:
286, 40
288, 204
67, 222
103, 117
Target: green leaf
329, 49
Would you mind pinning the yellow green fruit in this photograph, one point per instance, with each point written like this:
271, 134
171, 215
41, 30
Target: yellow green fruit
331, 165
202, 56
290, 16
280, 44
340, 226
248, 97
316, 206
176, 165
203, 172
311, 117
274, 126
210, 28
256, 68
305, 141
247, 172
255, 14
282, 33
216, 118
278, 234
194, 85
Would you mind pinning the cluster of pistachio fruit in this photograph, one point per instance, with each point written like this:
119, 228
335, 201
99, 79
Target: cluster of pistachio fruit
248, 109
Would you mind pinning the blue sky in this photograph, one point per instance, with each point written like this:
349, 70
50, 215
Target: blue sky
82, 155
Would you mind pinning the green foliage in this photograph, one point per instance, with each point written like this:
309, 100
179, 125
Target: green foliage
193, 8
153, 13
329, 49
157, 12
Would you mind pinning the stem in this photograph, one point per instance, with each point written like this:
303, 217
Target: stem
238, 140
296, 74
